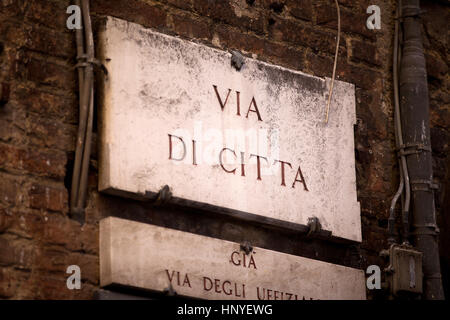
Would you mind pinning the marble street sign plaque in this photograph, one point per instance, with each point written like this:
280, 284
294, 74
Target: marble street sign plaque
154, 258
254, 140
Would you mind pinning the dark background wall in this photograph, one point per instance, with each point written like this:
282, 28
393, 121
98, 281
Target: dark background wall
38, 124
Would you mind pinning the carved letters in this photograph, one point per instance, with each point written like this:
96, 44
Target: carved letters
284, 165
226, 287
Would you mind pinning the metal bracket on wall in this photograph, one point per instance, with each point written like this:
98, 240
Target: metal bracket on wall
237, 60
412, 12
412, 148
246, 247
164, 195
428, 228
84, 61
423, 185
169, 291
314, 226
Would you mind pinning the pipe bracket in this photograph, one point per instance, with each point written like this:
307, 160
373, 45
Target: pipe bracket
84, 61
246, 247
426, 229
412, 148
314, 226
237, 60
164, 195
169, 291
423, 185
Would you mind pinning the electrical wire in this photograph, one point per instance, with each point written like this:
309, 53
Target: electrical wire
81, 121
89, 99
335, 60
85, 53
391, 220
404, 175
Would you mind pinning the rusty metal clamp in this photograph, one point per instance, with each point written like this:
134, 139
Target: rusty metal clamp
314, 226
246, 247
412, 148
163, 196
423, 185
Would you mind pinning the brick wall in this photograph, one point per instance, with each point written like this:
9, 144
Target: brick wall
38, 124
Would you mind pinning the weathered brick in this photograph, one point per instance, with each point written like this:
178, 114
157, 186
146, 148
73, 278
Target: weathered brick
350, 22
89, 266
435, 21
48, 104
7, 130
7, 72
50, 42
362, 77
88, 240
58, 230
86, 292
51, 133
48, 198
5, 220
440, 139
374, 207
439, 116
9, 188
21, 255
24, 256
48, 13
56, 260
7, 254
306, 36
370, 110
53, 287
230, 13
132, 10
43, 163
366, 52
44, 72
300, 9
231, 38
13, 8
348, 3
182, 4
374, 240
23, 224
53, 260
47, 163
12, 33
194, 28
284, 55
436, 67
9, 283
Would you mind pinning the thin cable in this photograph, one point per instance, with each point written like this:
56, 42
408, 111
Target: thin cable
335, 60
404, 175
88, 95
391, 220
404, 165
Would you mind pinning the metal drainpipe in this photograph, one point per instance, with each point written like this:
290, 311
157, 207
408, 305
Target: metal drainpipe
416, 134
